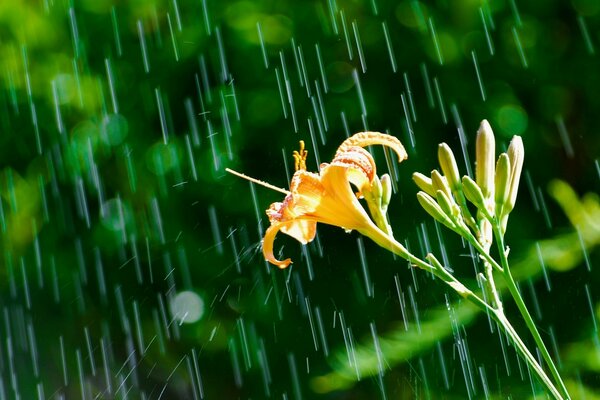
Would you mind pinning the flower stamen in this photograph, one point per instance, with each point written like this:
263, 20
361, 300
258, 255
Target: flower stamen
300, 157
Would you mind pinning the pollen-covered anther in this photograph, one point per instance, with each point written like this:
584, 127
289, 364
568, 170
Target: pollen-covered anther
300, 157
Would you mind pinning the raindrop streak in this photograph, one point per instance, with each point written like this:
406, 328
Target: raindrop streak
591, 305
74, 32
322, 331
321, 68
359, 91
157, 219
222, 59
586, 257
484, 381
262, 45
294, 374
312, 324
463, 138
205, 81
534, 299
197, 374
33, 348
438, 92
295, 50
413, 110
409, 128
361, 56
586, 35
25, 285
161, 114
59, 122
401, 300
427, 83
173, 40
544, 208
115, 24
313, 140
288, 89
346, 34
377, 346
206, 19
479, 80
543, 265
34, 120
322, 109
488, 36
365, 268
88, 342
515, 11
564, 136
390, 48
436, 42
63, 360
415, 309
555, 346
138, 327
140, 29
519, 47
281, 96
332, 11
111, 85
443, 365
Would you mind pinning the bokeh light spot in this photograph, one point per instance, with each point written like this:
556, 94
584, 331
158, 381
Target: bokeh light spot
114, 129
187, 307
339, 76
512, 120
162, 158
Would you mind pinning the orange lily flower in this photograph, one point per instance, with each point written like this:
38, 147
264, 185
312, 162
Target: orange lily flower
327, 197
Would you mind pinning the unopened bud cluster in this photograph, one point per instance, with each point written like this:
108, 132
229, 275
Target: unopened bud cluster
493, 192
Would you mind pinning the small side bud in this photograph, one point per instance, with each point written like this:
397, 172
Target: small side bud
501, 182
484, 161
516, 155
433, 209
444, 203
376, 188
473, 192
386, 191
440, 183
449, 166
424, 183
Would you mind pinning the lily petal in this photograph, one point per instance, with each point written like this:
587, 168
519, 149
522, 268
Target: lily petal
363, 139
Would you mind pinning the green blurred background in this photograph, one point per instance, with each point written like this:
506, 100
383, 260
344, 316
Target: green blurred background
131, 261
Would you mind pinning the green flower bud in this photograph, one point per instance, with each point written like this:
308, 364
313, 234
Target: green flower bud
386, 191
376, 189
445, 204
449, 166
473, 192
433, 209
484, 161
440, 183
502, 182
516, 154
424, 183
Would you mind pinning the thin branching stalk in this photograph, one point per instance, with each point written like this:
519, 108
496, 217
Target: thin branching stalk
514, 291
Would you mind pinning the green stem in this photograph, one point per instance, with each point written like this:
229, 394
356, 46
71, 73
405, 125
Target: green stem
388, 242
514, 291
526, 354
